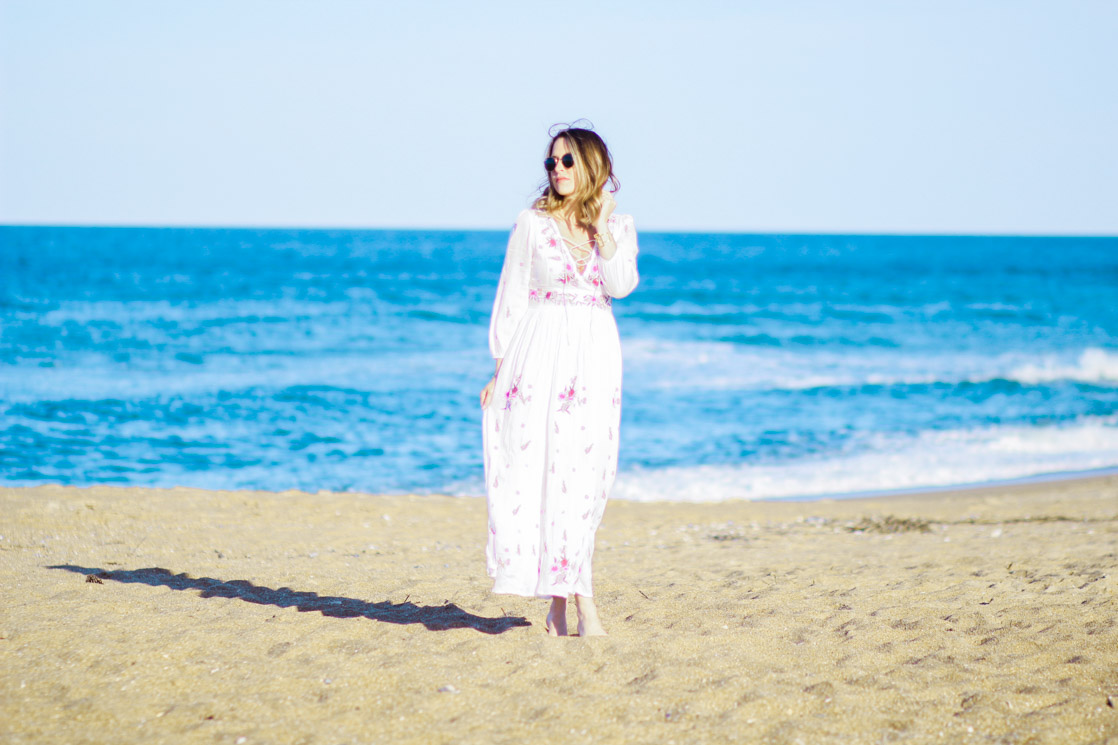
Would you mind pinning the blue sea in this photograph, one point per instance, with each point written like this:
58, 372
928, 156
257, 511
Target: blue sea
756, 366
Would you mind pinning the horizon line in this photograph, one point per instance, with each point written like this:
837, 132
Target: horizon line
444, 229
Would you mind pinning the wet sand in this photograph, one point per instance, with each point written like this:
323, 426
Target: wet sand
182, 616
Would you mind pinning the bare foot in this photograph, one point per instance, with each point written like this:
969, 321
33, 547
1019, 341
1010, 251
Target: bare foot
557, 617
588, 622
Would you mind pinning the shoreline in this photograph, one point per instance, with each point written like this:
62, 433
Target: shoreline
1057, 477
1040, 478
185, 615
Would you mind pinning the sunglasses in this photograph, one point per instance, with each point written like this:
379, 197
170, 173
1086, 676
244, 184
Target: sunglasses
550, 163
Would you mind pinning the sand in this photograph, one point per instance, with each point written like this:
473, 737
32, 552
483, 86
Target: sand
182, 616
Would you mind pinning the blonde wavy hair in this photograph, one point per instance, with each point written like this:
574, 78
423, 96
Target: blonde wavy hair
593, 170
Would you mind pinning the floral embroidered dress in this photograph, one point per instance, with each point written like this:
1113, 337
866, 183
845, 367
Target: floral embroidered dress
551, 427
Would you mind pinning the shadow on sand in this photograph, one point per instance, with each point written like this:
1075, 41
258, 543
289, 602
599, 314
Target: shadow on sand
435, 618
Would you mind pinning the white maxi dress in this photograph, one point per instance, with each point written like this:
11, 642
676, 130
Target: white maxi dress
550, 431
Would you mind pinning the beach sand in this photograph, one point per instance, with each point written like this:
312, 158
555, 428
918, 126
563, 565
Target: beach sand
181, 616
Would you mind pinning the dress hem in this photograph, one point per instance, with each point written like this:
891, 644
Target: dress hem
534, 594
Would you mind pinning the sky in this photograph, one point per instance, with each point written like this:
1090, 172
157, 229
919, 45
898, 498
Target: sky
953, 116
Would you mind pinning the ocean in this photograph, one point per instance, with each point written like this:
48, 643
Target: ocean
756, 366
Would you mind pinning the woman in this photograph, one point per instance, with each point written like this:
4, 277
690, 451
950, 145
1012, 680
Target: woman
553, 406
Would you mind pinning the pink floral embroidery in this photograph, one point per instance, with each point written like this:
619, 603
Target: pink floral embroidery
568, 397
569, 298
559, 568
514, 394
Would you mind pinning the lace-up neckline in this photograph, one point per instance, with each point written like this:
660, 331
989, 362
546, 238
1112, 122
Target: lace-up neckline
581, 258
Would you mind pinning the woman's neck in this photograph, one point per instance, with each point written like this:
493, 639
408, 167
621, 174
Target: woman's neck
564, 214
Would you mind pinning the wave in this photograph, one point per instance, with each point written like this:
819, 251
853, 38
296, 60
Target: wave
704, 310
928, 460
719, 365
212, 374
1093, 366
132, 312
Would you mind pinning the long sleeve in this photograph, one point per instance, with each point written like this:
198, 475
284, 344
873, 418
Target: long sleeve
619, 273
512, 291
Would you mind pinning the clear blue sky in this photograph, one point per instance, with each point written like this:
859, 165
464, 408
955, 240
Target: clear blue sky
968, 116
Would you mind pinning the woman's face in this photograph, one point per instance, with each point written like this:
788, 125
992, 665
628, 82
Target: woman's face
563, 179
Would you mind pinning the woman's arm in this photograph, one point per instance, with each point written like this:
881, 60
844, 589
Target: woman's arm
618, 250
487, 391
512, 297
512, 291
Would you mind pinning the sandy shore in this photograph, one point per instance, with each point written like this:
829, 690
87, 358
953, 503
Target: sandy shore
178, 616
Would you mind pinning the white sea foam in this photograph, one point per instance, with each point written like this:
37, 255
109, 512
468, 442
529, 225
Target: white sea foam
715, 365
932, 459
1093, 366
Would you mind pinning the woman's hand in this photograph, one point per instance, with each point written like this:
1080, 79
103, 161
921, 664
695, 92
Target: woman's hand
487, 391
609, 204
606, 245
